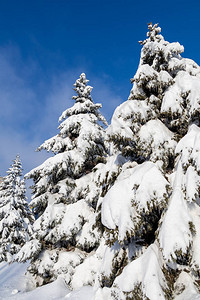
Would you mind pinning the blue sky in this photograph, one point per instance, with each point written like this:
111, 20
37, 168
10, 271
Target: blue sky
45, 45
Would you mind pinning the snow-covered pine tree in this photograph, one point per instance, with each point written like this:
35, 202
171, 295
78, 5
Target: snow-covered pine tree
65, 191
16, 217
151, 213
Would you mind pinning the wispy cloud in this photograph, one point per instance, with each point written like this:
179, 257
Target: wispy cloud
30, 105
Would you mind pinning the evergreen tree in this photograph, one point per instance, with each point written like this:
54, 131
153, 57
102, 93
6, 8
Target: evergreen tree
151, 213
65, 192
15, 215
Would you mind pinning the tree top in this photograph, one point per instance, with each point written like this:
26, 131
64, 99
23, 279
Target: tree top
152, 34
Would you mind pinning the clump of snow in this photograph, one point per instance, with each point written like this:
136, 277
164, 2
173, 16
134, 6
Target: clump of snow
187, 85
174, 233
136, 189
145, 269
85, 293
189, 147
128, 118
185, 288
178, 231
30, 249
156, 141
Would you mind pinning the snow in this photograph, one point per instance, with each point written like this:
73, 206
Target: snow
116, 207
15, 285
52, 213
192, 180
48, 166
85, 293
82, 275
175, 233
11, 278
189, 146
73, 218
145, 269
165, 78
155, 132
108, 255
190, 291
145, 72
184, 84
125, 115
56, 290
56, 143
26, 252
156, 141
195, 213
137, 189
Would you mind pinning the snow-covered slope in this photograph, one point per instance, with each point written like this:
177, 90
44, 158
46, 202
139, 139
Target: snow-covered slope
14, 285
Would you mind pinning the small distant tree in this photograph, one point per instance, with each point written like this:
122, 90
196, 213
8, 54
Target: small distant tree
16, 217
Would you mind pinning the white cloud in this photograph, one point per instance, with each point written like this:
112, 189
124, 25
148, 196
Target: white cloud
30, 108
